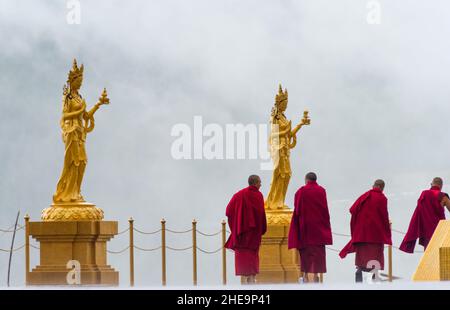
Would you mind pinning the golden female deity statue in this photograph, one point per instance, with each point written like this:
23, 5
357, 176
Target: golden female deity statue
282, 139
76, 123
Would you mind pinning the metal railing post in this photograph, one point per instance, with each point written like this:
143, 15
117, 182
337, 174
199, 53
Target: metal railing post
27, 248
194, 252
390, 258
131, 224
163, 252
224, 253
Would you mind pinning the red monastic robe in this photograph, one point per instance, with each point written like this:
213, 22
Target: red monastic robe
425, 219
247, 221
370, 229
310, 228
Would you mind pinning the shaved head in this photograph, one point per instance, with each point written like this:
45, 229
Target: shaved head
437, 181
310, 176
254, 180
379, 184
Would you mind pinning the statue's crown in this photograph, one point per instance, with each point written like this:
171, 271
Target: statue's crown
75, 71
281, 96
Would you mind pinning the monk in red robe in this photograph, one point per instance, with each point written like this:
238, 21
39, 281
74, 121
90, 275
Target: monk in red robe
370, 229
429, 211
247, 221
310, 228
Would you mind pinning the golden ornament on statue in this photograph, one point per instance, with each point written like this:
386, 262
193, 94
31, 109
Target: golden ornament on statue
103, 98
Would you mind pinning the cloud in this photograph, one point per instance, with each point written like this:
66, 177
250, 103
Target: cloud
377, 98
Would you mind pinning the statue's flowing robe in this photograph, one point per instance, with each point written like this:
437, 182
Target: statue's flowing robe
75, 158
370, 230
280, 153
247, 221
310, 228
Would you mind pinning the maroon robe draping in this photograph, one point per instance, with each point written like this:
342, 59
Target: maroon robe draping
247, 222
310, 228
367, 252
370, 228
425, 219
313, 259
246, 262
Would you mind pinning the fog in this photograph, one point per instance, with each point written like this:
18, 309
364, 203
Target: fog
377, 96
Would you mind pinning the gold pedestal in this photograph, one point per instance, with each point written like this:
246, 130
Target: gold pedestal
277, 263
72, 211
83, 241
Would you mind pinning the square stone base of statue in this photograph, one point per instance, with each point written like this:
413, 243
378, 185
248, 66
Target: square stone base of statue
277, 264
76, 241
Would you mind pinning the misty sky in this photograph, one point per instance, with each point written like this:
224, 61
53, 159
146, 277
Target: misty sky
377, 95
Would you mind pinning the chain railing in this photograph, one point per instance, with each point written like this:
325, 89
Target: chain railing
118, 252
13, 250
13, 230
195, 249
163, 247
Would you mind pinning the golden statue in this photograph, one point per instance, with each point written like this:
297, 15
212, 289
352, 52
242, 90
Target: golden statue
278, 264
282, 139
76, 123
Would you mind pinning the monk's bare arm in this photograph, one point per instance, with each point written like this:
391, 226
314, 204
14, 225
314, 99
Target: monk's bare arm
446, 202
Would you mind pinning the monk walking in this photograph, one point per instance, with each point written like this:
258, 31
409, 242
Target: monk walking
370, 230
310, 228
247, 221
429, 211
